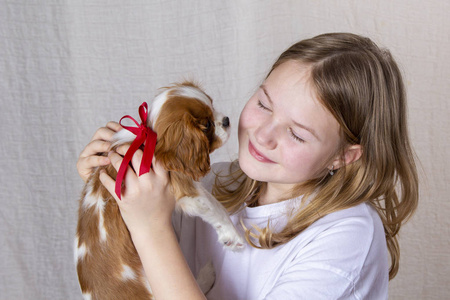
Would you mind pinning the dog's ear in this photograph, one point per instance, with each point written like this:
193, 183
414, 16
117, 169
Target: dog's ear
184, 147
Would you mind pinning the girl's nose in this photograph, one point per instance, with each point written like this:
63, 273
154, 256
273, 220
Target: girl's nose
266, 136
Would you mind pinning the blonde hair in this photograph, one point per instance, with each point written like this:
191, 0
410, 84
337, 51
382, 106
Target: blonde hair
361, 85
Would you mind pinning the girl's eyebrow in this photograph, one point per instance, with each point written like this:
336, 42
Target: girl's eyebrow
263, 88
312, 131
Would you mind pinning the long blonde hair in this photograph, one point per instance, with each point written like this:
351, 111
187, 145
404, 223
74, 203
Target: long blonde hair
361, 85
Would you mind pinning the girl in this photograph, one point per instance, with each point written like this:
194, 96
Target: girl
324, 180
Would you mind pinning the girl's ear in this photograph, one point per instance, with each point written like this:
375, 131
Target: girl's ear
351, 154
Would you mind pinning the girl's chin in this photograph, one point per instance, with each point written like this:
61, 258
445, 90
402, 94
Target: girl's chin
251, 170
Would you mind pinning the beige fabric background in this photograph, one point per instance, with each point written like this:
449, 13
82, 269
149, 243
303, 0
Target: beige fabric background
67, 67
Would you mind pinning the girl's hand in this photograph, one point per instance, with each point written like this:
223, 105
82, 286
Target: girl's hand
100, 142
147, 201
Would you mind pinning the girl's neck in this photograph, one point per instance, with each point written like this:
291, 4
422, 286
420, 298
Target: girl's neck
274, 193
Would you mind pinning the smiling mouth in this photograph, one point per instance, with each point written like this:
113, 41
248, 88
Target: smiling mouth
258, 156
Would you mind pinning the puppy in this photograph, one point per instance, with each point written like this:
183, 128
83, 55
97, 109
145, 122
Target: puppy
188, 130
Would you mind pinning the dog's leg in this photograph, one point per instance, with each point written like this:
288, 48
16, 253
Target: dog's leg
211, 211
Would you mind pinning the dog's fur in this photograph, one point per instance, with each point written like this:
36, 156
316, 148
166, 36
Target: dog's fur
188, 131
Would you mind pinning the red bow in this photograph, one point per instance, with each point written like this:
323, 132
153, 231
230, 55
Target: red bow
144, 135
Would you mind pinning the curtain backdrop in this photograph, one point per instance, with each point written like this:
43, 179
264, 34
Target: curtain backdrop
68, 67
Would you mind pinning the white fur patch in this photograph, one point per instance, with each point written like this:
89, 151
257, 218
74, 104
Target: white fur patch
184, 91
127, 273
192, 92
90, 200
101, 222
87, 296
80, 251
75, 249
97, 201
122, 137
156, 105
222, 132
147, 285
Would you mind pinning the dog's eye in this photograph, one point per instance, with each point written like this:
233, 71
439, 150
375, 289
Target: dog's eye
208, 126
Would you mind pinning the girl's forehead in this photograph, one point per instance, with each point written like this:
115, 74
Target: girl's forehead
293, 96
290, 70
289, 84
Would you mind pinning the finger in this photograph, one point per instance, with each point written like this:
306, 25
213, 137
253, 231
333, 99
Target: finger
114, 126
104, 133
116, 160
122, 149
158, 168
90, 162
109, 184
94, 147
136, 160
131, 179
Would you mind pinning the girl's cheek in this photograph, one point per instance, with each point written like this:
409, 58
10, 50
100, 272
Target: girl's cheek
241, 123
245, 118
251, 116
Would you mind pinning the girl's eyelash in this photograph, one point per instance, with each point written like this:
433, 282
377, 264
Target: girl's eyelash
262, 105
295, 137
291, 132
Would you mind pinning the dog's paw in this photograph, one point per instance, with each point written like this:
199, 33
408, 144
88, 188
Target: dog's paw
230, 238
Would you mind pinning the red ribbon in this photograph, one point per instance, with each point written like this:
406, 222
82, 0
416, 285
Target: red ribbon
144, 135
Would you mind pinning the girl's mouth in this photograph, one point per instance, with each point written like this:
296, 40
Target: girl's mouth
258, 156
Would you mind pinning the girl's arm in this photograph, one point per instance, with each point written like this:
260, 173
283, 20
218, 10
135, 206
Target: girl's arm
146, 207
167, 271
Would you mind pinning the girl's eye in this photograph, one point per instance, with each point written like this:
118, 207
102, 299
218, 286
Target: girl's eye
296, 137
262, 105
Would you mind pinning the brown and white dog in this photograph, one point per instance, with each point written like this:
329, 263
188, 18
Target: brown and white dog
188, 131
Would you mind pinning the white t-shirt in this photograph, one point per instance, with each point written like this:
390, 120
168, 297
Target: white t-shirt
341, 256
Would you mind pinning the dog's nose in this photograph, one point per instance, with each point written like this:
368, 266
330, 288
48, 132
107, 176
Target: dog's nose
225, 122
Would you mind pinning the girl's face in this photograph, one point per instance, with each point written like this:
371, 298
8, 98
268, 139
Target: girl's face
286, 136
